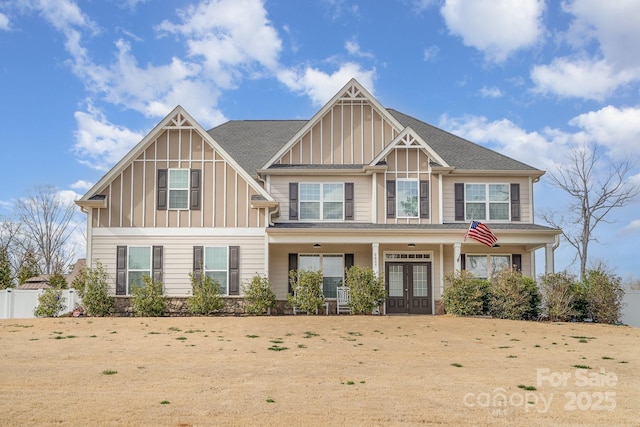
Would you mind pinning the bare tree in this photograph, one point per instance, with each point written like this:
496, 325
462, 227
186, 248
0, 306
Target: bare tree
593, 195
46, 223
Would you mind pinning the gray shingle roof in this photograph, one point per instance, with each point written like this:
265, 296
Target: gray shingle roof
253, 142
458, 152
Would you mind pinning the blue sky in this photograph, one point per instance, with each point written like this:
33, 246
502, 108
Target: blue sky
84, 81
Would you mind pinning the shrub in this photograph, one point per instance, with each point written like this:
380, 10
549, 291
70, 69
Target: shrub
92, 284
50, 303
149, 300
58, 281
559, 295
366, 291
259, 295
513, 296
307, 290
465, 295
604, 295
206, 297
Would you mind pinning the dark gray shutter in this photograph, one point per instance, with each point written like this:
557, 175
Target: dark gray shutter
424, 199
195, 189
348, 200
157, 263
162, 189
293, 200
391, 199
293, 265
198, 257
463, 262
348, 261
234, 270
516, 261
459, 201
515, 202
121, 270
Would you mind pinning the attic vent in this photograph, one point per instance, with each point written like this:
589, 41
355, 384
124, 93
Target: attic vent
179, 121
351, 93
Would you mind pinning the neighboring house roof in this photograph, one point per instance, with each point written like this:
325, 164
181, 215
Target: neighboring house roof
250, 142
42, 281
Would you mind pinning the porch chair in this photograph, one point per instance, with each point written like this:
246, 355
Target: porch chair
342, 300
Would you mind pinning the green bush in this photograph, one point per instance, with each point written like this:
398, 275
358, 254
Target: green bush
464, 294
92, 284
205, 298
259, 295
58, 281
604, 295
559, 296
513, 296
366, 291
307, 290
50, 303
149, 300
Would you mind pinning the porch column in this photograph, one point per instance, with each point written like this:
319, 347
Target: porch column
375, 258
548, 258
457, 249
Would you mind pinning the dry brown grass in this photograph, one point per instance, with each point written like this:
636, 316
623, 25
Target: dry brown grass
346, 370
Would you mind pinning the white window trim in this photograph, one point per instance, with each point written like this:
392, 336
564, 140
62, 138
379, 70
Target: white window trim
169, 189
226, 263
417, 181
150, 270
487, 201
321, 201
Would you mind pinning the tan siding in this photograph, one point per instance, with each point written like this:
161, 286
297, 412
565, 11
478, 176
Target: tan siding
232, 183
326, 139
150, 195
219, 195
178, 257
434, 199
116, 202
368, 149
316, 144
138, 193
127, 183
347, 135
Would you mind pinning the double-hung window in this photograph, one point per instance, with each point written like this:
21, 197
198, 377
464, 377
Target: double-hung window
138, 265
485, 266
332, 267
216, 266
178, 188
407, 198
487, 201
321, 201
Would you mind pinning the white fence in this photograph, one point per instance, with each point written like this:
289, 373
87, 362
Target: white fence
631, 310
20, 303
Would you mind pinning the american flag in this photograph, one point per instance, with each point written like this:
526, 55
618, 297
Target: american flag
480, 232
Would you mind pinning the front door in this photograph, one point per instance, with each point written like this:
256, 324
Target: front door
408, 287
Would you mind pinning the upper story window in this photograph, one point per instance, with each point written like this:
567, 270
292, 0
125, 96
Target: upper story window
407, 198
321, 201
487, 201
178, 189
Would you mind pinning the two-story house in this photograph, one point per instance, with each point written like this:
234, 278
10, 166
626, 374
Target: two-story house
356, 184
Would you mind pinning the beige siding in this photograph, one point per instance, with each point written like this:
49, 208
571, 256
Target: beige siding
178, 256
225, 194
449, 202
352, 132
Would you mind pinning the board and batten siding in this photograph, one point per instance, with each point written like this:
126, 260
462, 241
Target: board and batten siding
448, 197
178, 254
351, 132
132, 194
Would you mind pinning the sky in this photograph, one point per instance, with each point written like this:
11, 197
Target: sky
82, 81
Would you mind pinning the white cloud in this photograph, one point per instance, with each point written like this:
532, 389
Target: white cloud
496, 27
228, 35
506, 137
578, 78
430, 53
632, 227
618, 129
81, 185
4, 22
490, 92
100, 144
321, 86
588, 73
353, 47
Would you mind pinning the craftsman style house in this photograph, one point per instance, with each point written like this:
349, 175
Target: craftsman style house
356, 184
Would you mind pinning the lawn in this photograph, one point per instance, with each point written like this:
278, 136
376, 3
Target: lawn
316, 370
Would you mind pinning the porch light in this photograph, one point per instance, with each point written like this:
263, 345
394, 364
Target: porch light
317, 245
411, 245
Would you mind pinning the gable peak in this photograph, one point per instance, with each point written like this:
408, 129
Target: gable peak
179, 120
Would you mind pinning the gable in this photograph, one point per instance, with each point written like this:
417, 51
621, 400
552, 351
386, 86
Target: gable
351, 129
